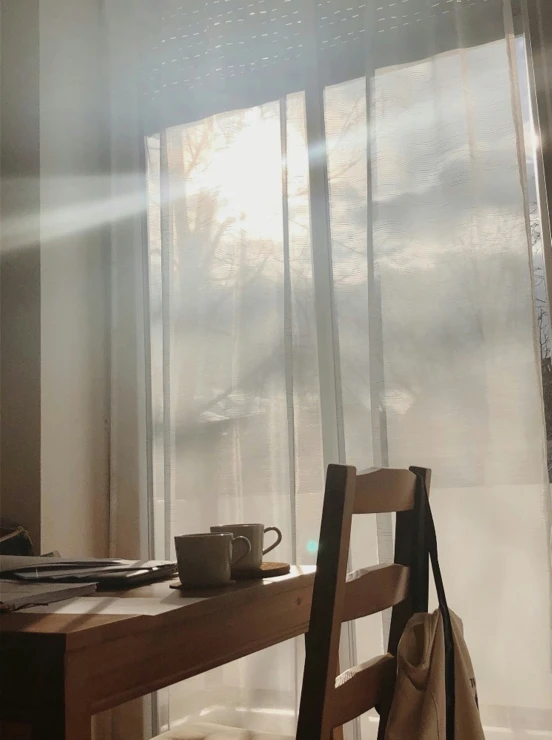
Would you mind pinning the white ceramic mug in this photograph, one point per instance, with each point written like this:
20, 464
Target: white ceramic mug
255, 534
207, 559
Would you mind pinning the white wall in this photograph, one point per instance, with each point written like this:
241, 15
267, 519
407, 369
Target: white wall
20, 266
74, 279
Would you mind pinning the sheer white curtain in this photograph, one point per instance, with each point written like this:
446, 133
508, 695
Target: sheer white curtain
340, 269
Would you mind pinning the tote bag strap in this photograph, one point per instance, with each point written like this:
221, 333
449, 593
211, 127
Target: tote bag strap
424, 546
419, 559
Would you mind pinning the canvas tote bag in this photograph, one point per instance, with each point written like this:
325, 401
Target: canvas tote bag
435, 694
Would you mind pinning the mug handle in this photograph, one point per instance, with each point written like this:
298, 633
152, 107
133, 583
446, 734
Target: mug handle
248, 550
278, 538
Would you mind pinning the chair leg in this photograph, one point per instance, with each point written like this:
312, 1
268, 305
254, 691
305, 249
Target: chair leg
337, 732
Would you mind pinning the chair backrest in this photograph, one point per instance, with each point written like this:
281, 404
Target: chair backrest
328, 702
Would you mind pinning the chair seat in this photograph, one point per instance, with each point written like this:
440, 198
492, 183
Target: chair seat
206, 731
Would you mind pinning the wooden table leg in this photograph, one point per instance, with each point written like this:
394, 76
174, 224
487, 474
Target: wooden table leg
78, 720
15, 731
42, 694
61, 708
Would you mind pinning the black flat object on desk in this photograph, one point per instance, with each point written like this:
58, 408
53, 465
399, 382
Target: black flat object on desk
108, 575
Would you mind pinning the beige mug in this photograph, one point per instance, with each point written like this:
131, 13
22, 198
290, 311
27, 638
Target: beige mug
255, 534
207, 559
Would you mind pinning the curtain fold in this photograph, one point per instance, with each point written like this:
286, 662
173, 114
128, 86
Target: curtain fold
341, 268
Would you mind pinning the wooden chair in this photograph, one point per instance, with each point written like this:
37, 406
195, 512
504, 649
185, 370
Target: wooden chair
328, 703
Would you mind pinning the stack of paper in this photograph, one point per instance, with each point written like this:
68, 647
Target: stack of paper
14, 595
106, 572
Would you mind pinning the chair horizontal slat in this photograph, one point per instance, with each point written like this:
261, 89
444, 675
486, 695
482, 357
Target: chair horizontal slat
372, 590
383, 490
359, 689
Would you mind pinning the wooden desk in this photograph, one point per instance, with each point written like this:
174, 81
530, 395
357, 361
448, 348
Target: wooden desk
58, 669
